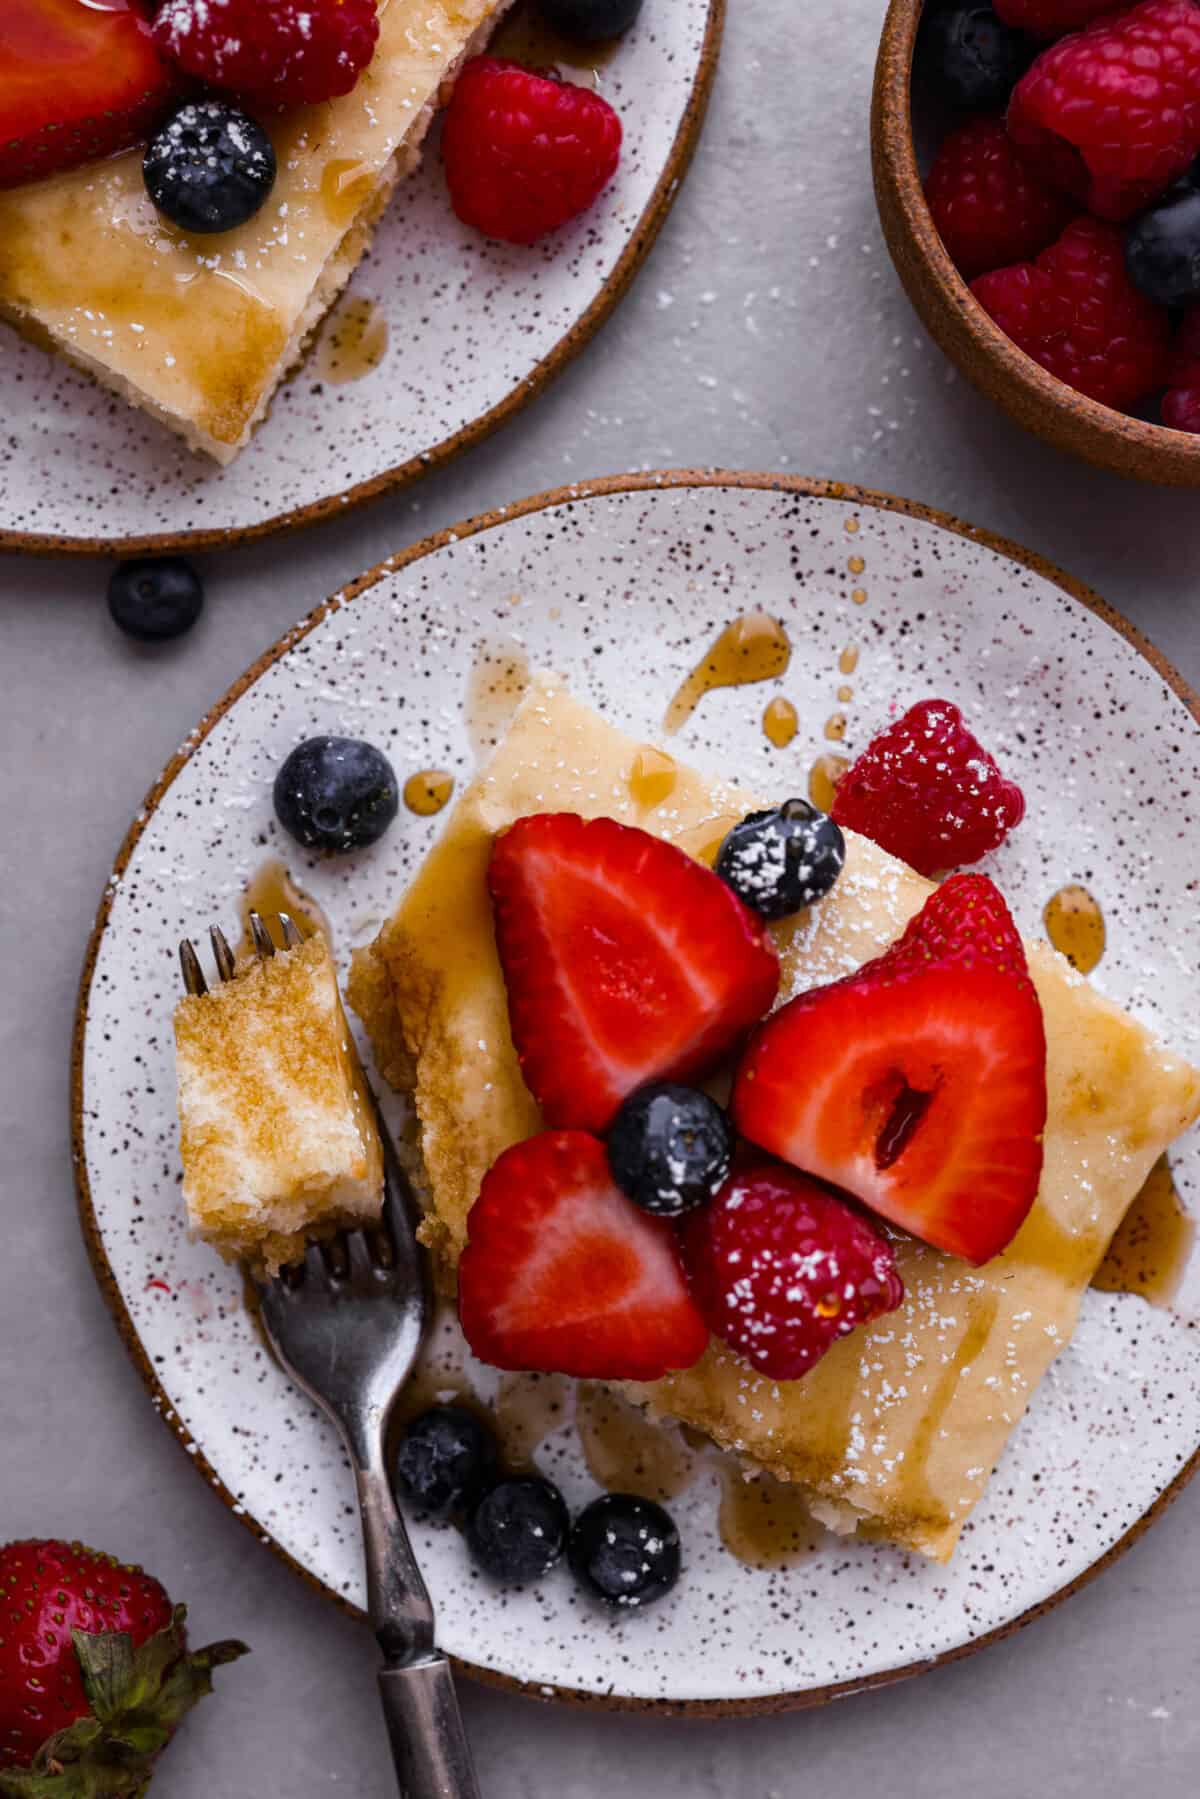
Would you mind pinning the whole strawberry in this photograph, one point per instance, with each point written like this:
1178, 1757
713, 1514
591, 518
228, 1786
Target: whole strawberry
95, 1674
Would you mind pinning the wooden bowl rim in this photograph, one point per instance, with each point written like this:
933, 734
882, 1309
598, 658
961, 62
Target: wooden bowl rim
1176, 452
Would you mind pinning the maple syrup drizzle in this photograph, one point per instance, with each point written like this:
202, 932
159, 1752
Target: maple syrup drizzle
1075, 926
1153, 1244
845, 694
835, 727
528, 1408
754, 647
652, 777
526, 38
859, 596
848, 660
856, 565
426, 792
780, 722
916, 1489
498, 682
271, 890
627, 1452
345, 184
353, 341
765, 1522
851, 526
823, 778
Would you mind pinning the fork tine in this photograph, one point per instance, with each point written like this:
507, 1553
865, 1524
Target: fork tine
362, 1264
193, 974
291, 935
263, 943
316, 1269
223, 953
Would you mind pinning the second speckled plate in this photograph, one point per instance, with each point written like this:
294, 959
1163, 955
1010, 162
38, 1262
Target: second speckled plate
622, 587
447, 334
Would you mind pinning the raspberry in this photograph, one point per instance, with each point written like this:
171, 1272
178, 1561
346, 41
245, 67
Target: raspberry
780, 1268
1076, 312
1052, 18
1112, 114
525, 152
273, 53
1181, 403
927, 791
989, 206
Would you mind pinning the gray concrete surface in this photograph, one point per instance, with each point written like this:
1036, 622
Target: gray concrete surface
767, 331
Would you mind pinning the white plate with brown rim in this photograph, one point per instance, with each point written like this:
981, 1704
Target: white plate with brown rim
879, 603
440, 337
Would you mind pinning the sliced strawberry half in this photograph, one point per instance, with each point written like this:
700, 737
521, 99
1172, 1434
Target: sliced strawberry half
76, 83
625, 962
563, 1274
919, 1083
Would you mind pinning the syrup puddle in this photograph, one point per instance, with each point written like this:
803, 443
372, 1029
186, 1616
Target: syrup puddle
754, 647
272, 890
626, 1452
765, 1522
1150, 1252
497, 685
1075, 926
353, 342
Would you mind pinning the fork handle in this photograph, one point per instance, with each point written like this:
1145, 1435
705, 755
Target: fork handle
429, 1744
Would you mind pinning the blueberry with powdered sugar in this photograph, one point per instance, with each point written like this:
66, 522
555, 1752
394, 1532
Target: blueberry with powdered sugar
210, 167
670, 1148
780, 861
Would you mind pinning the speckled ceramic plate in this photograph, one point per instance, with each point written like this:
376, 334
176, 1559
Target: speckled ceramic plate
461, 333
621, 587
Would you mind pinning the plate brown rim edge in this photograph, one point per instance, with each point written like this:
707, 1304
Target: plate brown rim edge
406, 474
581, 493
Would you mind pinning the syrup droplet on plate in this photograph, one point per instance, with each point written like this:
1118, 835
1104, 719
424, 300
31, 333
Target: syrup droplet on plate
353, 341
652, 777
498, 683
851, 526
754, 647
823, 778
1153, 1244
1075, 926
856, 565
626, 1451
427, 791
764, 1522
845, 695
859, 596
835, 727
780, 722
848, 660
270, 891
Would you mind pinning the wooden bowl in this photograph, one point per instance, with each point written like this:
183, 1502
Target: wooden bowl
990, 359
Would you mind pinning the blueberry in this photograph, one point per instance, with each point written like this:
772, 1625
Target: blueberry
777, 862
625, 1550
519, 1529
1162, 249
969, 56
156, 599
210, 167
670, 1148
590, 21
446, 1460
336, 793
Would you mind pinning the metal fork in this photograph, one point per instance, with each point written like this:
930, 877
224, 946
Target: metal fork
347, 1325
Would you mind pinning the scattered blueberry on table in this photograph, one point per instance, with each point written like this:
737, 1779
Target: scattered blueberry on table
157, 599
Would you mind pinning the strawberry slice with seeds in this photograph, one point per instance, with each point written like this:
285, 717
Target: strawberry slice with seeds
76, 83
917, 1084
625, 962
564, 1275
